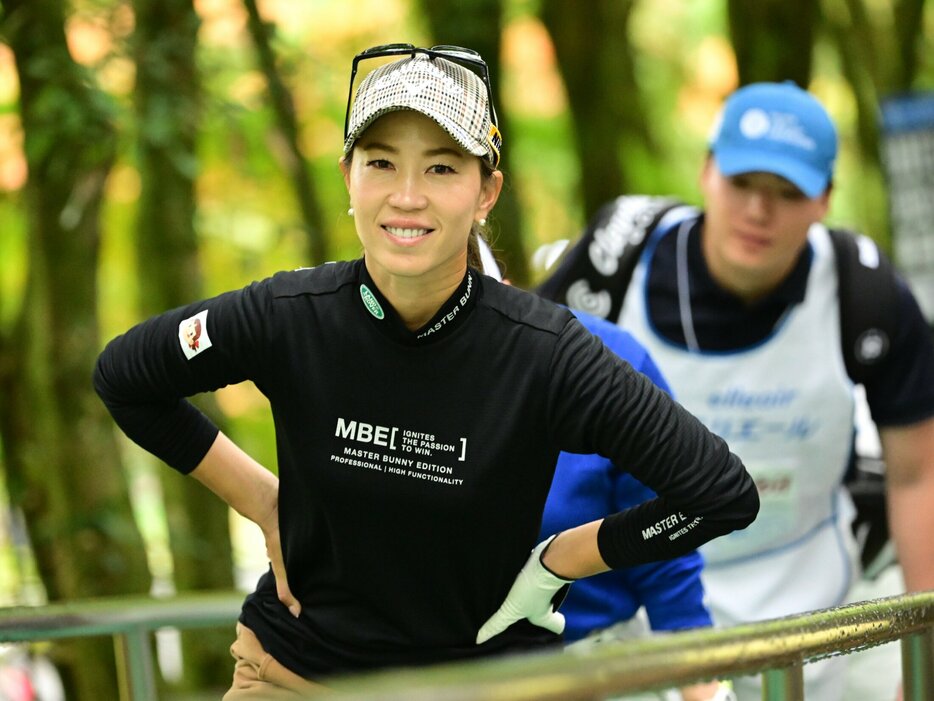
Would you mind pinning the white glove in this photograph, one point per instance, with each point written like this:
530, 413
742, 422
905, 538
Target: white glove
529, 597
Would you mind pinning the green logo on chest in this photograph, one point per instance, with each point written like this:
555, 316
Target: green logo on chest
371, 303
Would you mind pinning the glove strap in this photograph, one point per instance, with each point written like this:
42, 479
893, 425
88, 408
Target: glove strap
544, 545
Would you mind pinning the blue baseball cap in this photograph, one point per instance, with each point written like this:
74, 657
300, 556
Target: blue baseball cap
776, 128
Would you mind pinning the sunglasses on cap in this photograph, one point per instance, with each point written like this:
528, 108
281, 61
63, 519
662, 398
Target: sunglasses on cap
467, 58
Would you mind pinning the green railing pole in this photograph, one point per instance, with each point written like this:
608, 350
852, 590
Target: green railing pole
136, 676
783, 684
918, 666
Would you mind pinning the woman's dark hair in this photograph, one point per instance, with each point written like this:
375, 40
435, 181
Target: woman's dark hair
477, 229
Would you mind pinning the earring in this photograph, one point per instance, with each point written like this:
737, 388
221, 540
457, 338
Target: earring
481, 222
350, 211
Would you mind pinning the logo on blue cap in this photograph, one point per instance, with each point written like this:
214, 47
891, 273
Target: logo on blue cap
776, 128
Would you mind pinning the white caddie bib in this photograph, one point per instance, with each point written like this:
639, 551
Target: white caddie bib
786, 407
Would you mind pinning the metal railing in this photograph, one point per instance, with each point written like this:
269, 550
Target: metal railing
778, 649
130, 621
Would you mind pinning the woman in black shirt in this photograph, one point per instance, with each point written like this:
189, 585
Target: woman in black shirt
419, 408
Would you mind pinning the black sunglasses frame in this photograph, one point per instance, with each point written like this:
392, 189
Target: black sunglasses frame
457, 54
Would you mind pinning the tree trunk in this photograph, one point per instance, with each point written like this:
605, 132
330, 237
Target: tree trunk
909, 22
850, 30
599, 77
876, 62
168, 103
60, 445
773, 39
296, 165
477, 25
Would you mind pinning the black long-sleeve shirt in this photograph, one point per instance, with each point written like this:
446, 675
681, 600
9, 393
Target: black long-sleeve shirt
414, 466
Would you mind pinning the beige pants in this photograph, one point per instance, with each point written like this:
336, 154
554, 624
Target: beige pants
257, 675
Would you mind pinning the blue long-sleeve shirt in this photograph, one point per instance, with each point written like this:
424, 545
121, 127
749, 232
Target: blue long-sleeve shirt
587, 487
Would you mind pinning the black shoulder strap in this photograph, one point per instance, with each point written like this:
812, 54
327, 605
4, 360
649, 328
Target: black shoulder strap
595, 272
868, 302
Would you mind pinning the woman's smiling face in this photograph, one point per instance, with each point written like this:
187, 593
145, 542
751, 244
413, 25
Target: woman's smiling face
415, 195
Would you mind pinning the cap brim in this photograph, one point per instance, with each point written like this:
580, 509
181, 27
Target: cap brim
810, 181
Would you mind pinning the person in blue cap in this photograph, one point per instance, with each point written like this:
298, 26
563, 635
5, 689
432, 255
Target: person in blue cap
740, 306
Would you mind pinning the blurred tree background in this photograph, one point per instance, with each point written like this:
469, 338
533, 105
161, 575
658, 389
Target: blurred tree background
157, 151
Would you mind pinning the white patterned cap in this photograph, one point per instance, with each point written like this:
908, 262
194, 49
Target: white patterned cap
446, 92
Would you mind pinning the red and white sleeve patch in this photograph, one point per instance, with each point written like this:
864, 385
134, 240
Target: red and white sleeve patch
193, 334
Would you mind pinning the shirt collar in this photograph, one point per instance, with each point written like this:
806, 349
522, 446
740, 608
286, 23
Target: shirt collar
449, 317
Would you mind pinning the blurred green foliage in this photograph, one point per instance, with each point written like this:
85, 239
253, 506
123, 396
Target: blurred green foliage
248, 224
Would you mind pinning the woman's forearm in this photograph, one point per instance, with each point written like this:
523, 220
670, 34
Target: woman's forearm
253, 492
574, 553
245, 485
